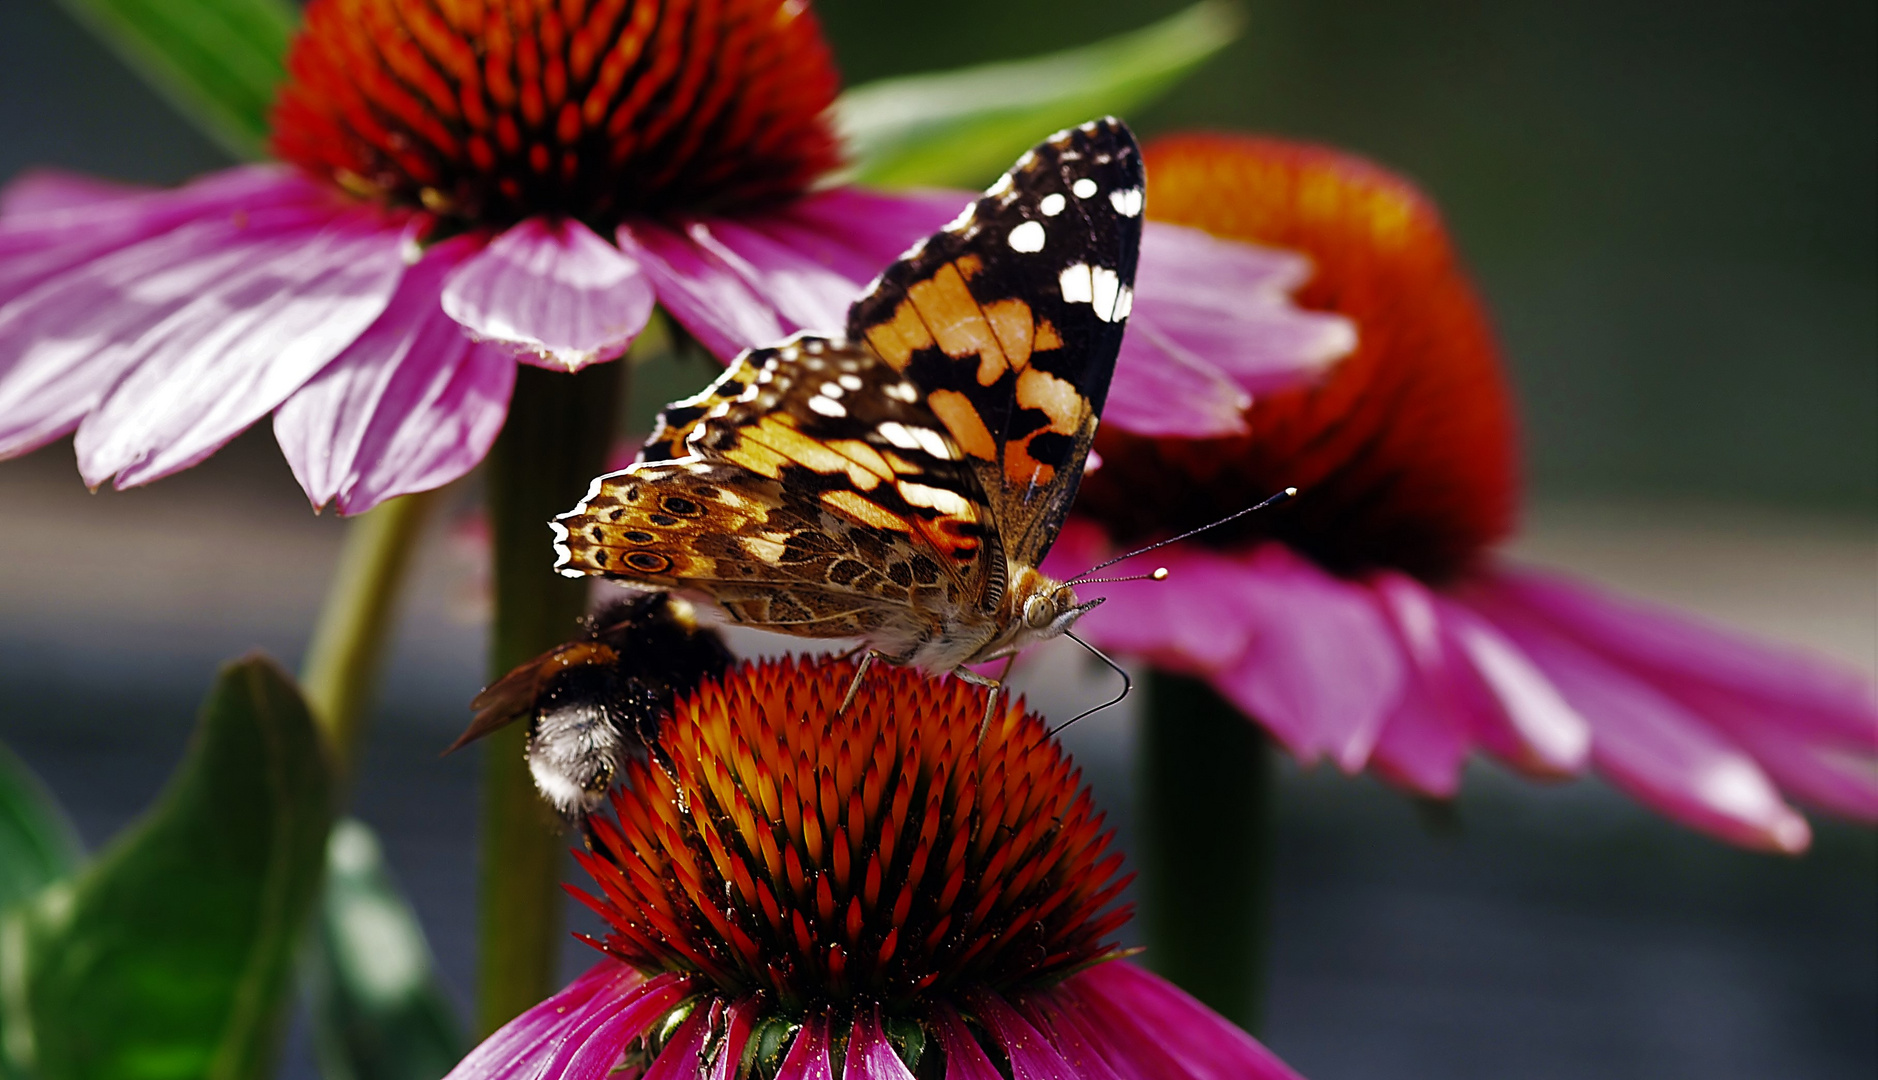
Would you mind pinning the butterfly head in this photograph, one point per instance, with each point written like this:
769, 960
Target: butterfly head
1045, 608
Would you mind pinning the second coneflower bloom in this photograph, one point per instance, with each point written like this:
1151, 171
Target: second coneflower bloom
877, 894
1369, 621
470, 183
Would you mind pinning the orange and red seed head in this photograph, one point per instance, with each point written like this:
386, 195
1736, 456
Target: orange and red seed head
488, 111
882, 854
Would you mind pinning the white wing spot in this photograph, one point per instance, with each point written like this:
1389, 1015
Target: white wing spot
932, 442
902, 391
830, 390
896, 433
1124, 303
850, 382
826, 406
1107, 286
1083, 188
1127, 202
1075, 283
1027, 238
940, 499
1052, 204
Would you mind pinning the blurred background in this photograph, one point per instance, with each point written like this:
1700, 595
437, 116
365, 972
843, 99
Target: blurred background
1670, 208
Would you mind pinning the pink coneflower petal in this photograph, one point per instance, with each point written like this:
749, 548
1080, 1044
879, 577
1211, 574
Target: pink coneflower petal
1196, 352
870, 1055
1215, 309
232, 348
808, 1055
520, 1046
553, 291
1519, 713
965, 1060
1162, 1032
412, 405
1063, 1019
739, 1019
1031, 1055
40, 191
679, 1059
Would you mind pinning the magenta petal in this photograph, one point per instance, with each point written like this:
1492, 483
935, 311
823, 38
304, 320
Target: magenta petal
738, 1018
1160, 1032
1659, 751
521, 1048
870, 1055
1064, 1020
707, 297
965, 1059
1031, 1055
554, 291
1323, 670
1518, 711
1213, 324
808, 1055
679, 1059
40, 191
235, 347
412, 405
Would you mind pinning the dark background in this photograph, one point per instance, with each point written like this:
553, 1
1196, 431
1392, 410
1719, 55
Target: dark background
1670, 207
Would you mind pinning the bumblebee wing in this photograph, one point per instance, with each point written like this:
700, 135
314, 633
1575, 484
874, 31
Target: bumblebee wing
514, 695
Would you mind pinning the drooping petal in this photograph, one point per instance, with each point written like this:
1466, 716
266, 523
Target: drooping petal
1517, 710
808, 1055
522, 1048
965, 1059
1323, 669
1214, 324
870, 1055
412, 405
679, 1059
1425, 741
50, 227
1159, 1031
228, 350
1065, 1021
1662, 753
1031, 1055
40, 191
738, 1019
553, 291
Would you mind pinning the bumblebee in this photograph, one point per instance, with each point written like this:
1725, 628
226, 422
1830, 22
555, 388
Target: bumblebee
599, 699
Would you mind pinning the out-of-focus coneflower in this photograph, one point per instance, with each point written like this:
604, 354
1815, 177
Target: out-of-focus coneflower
471, 183
876, 894
1369, 621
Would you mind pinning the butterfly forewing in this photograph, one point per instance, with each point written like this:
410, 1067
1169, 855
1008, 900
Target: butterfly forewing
1010, 319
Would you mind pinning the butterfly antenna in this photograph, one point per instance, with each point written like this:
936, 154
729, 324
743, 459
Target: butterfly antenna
1128, 683
1083, 578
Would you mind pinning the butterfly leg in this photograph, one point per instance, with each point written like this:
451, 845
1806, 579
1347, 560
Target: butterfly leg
855, 686
991, 700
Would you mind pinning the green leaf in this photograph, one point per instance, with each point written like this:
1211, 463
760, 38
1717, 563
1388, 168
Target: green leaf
960, 128
379, 1010
217, 60
37, 842
169, 957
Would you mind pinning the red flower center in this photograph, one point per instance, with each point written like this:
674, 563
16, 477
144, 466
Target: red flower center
489, 111
883, 854
1405, 453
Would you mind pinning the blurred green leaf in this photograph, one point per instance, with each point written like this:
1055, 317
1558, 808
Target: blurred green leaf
37, 842
169, 957
217, 60
379, 1010
960, 128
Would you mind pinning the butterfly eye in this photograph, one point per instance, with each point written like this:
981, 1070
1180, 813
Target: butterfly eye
1039, 612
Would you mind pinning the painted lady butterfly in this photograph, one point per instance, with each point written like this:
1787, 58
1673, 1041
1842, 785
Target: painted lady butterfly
902, 484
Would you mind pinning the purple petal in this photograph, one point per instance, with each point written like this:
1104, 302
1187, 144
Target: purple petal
1323, 670
39, 191
1031, 1055
1065, 1021
38, 242
412, 405
808, 1055
1424, 742
1213, 324
738, 1018
1161, 1032
554, 290
1519, 713
229, 349
1659, 751
522, 1048
965, 1059
870, 1055
679, 1059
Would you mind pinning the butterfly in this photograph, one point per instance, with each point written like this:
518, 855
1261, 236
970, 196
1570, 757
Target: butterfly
902, 483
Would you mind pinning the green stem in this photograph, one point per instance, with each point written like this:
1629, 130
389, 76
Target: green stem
1207, 789
349, 643
554, 443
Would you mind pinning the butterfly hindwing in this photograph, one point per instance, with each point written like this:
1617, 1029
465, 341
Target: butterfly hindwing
809, 489
1009, 321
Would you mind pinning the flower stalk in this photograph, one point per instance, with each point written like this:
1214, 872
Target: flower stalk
1207, 788
353, 634
555, 441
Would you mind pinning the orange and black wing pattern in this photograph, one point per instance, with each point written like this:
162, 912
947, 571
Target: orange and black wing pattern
1009, 321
